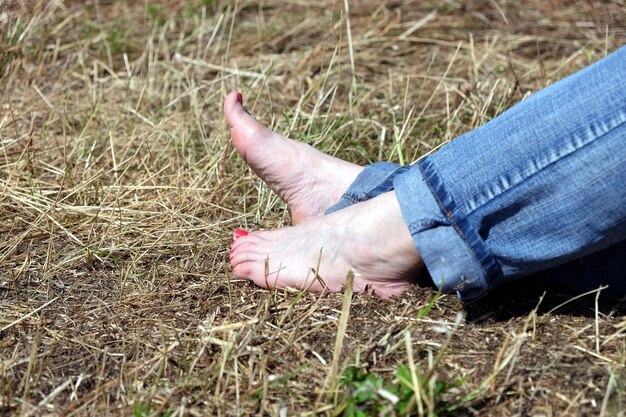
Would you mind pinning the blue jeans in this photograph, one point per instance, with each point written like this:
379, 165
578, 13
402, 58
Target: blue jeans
542, 187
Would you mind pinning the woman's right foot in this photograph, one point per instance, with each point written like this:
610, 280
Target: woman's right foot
369, 238
308, 180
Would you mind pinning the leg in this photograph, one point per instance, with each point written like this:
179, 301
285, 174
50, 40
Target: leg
539, 186
506, 211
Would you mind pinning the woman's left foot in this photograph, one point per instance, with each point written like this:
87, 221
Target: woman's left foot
308, 180
369, 238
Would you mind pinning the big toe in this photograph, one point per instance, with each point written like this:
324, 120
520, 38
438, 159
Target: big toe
244, 127
233, 109
236, 116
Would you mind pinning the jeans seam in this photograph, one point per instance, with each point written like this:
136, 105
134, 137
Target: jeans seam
487, 262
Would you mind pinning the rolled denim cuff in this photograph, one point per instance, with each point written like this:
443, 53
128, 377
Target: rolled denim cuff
374, 180
447, 251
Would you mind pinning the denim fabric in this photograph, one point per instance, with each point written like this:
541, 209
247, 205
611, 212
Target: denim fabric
540, 186
372, 181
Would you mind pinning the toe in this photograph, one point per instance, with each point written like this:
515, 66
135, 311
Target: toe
246, 253
239, 233
233, 110
252, 271
252, 238
238, 242
238, 118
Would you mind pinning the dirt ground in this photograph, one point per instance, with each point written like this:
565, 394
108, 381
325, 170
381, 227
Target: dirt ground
119, 193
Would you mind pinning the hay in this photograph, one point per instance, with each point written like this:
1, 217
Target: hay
119, 193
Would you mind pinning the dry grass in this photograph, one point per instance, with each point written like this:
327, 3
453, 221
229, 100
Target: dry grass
119, 193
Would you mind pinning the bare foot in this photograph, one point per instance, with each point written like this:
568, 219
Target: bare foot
369, 238
308, 180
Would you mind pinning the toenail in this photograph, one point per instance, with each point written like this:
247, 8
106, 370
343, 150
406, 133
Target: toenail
240, 98
239, 233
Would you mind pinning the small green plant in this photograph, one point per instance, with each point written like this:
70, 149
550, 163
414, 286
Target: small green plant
141, 411
118, 40
154, 11
367, 394
426, 309
155, 14
115, 35
193, 10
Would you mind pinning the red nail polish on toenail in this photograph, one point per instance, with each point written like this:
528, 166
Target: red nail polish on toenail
240, 98
239, 233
